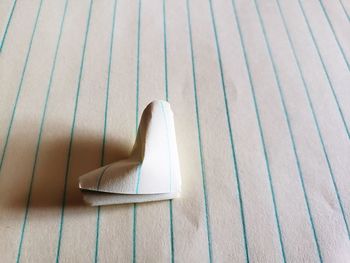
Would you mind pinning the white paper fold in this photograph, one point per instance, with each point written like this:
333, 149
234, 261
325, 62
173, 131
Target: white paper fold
152, 171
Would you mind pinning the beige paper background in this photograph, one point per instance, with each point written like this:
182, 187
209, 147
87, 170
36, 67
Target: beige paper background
25, 69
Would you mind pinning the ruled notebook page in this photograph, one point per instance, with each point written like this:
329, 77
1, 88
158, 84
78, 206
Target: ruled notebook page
261, 99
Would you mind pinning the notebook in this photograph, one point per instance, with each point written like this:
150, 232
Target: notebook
261, 101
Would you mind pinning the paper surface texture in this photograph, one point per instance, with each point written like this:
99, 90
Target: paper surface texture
260, 91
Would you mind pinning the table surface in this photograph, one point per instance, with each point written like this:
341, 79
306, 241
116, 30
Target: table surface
261, 98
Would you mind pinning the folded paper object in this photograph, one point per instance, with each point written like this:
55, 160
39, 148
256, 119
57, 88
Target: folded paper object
152, 171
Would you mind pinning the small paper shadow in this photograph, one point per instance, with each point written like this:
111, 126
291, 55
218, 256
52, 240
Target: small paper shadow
57, 166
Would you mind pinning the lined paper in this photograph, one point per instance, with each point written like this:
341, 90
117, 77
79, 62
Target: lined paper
7, 9
261, 101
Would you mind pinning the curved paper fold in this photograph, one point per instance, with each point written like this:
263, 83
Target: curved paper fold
152, 171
